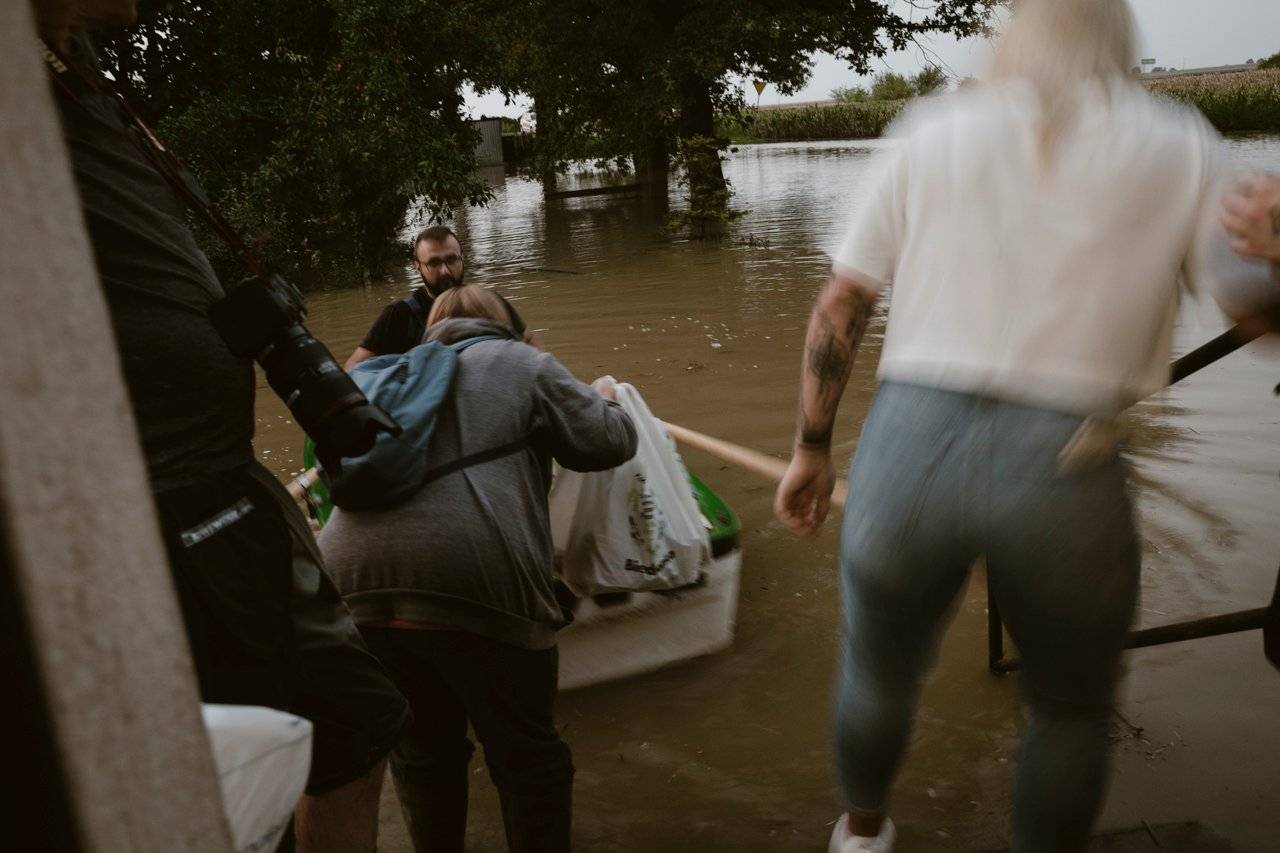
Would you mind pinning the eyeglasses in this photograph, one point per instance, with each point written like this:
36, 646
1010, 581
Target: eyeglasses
438, 262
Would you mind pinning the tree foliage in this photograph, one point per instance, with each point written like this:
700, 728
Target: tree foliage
929, 80
317, 124
706, 191
630, 78
667, 59
314, 125
850, 94
891, 86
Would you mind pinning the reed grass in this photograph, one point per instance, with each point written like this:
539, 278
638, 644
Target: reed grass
1243, 101
834, 121
1233, 103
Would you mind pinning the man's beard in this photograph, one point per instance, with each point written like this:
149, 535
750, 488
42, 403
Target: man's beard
445, 282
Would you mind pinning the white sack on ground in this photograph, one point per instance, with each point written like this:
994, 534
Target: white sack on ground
262, 757
635, 527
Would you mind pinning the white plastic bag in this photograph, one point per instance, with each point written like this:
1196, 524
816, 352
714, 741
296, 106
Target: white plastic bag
634, 527
262, 757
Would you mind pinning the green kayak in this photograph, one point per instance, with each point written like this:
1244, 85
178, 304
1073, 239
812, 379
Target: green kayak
722, 521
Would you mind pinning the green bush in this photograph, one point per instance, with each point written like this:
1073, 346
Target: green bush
929, 80
890, 86
1271, 62
850, 94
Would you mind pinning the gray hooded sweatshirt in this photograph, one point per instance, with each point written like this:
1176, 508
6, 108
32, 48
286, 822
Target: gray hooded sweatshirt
472, 551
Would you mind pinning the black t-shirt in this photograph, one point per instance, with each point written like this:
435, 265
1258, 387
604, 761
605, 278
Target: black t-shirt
193, 399
400, 326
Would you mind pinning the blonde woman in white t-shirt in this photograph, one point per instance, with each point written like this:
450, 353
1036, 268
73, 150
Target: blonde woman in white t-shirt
1037, 232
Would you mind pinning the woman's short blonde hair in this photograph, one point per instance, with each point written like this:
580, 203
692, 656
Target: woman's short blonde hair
469, 301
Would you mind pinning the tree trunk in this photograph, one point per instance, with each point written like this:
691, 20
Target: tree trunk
544, 142
704, 173
652, 161
697, 114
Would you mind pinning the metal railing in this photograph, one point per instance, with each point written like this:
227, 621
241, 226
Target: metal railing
1194, 629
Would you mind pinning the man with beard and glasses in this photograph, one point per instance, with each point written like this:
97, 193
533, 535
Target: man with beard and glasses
438, 258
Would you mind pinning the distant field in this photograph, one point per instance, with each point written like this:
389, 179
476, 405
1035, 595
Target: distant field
1242, 101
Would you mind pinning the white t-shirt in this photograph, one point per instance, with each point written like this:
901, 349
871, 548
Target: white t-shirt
1052, 285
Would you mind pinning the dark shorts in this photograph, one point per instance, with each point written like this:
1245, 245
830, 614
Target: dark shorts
266, 625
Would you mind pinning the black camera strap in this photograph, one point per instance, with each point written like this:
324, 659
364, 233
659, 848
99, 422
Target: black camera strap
72, 80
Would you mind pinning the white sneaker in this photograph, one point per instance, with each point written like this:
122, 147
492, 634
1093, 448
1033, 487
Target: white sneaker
843, 842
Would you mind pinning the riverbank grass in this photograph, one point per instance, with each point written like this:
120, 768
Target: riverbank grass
855, 120
1233, 103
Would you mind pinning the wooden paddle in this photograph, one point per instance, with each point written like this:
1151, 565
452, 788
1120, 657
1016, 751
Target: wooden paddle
773, 468
770, 467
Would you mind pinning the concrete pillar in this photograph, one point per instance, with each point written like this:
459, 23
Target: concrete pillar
94, 618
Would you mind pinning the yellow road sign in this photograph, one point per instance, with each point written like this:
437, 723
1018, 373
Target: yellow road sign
760, 84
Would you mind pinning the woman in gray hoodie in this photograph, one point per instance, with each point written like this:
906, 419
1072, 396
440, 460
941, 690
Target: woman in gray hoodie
453, 588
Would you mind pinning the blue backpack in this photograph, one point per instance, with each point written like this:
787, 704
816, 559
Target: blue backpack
411, 387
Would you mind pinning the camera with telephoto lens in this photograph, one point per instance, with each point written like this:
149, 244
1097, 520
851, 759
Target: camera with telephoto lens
263, 320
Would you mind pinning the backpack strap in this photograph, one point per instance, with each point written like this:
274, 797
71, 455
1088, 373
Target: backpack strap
459, 346
475, 459
483, 455
418, 312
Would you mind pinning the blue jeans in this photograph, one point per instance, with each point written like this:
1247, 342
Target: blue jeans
939, 480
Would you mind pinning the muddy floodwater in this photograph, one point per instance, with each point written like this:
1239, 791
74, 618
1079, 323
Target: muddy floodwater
731, 752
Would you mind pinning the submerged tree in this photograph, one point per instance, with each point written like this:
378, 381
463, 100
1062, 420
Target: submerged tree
315, 125
635, 76
707, 192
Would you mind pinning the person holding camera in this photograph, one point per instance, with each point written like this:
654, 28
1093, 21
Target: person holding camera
466, 624
264, 622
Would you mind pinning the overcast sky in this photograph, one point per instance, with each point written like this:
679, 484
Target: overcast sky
1176, 33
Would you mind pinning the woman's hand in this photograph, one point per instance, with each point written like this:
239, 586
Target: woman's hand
1252, 217
804, 495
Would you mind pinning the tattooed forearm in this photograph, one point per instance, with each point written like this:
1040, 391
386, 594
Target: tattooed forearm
835, 332
830, 358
